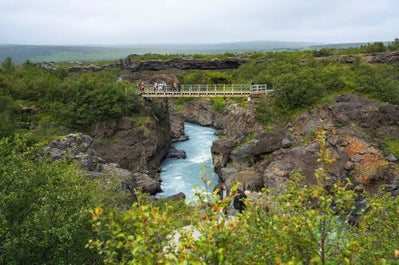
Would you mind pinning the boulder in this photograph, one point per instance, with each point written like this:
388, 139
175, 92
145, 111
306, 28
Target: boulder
221, 150
174, 153
76, 147
148, 184
248, 178
265, 144
177, 197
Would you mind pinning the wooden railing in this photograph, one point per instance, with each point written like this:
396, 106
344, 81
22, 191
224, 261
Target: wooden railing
201, 90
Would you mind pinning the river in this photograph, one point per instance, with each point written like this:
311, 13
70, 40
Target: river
184, 175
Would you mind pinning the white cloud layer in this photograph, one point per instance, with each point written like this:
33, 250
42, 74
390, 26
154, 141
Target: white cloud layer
193, 21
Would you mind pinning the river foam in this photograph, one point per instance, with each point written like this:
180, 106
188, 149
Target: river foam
184, 175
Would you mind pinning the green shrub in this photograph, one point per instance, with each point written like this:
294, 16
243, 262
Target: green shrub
195, 77
43, 208
218, 104
266, 112
214, 78
377, 82
292, 91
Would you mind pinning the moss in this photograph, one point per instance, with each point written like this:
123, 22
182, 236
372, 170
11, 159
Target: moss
247, 139
392, 146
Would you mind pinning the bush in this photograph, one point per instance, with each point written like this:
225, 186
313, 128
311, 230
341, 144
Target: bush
218, 104
394, 46
292, 91
43, 204
214, 78
379, 83
195, 77
265, 111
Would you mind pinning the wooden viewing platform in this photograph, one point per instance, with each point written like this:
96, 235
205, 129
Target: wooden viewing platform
201, 90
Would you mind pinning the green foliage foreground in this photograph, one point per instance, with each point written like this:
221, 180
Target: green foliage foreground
304, 224
44, 216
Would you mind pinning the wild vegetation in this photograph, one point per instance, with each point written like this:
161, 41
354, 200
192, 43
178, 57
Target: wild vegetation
52, 213
303, 225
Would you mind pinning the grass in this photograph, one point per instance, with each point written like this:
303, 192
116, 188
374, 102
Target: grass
392, 146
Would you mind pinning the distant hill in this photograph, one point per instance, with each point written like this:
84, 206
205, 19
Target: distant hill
42, 53
342, 45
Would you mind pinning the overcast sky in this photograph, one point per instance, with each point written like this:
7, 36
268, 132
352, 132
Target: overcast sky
196, 21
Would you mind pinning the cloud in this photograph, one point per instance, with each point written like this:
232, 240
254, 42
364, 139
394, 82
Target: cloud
192, 21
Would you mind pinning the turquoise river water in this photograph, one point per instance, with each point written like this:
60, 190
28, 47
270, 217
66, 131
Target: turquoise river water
184, 175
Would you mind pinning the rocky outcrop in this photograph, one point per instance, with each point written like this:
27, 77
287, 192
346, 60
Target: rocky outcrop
377, 58
75, 147
199, 112
263, 144
167, 71
355, 128
221, 150
177, 128
136, 145
383, 58
180, 64
79, 148
237, 122
80, 68
92, 67
234, 122
129, 65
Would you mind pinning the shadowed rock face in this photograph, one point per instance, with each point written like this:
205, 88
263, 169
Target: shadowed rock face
157, 71
199, 112
181, 64
79, 148
134, 147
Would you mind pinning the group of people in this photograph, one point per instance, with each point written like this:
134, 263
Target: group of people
174, 86
163, 86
